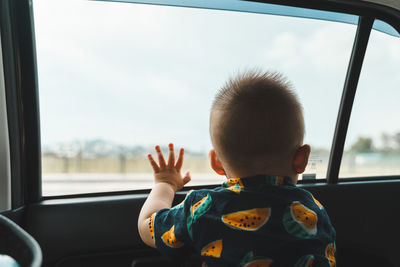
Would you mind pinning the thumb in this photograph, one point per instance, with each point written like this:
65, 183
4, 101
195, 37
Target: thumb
186, 178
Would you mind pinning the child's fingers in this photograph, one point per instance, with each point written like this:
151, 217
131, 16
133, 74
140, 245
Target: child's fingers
153, 163
179, 162
161, 160
186, 179
171, 156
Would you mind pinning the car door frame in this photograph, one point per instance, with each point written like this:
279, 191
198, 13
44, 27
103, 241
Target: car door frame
21, 82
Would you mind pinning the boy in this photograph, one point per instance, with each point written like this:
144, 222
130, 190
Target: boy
258, 217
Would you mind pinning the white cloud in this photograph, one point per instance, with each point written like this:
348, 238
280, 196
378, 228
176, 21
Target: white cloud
284, 48
327, 47
324, 48
165, 86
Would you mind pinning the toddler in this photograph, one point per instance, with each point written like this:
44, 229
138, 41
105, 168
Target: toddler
258, 217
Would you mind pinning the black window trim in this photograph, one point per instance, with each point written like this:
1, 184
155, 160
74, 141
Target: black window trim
19, 56
20, 76
349, 91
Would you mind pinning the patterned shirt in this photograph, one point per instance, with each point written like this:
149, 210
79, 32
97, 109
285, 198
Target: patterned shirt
261, 220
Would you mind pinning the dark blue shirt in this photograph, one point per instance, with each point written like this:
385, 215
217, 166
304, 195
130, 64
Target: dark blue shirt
261, 220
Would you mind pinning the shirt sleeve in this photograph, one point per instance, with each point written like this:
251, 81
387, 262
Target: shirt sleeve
168, 228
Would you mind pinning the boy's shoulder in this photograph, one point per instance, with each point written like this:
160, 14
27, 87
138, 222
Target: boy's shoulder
198, 194
239, 196
226, 188
292, 192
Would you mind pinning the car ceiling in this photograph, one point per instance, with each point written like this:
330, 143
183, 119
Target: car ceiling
390, 3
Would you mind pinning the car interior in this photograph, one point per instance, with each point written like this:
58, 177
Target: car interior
99, 228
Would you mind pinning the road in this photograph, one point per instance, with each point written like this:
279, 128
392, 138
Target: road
77, 183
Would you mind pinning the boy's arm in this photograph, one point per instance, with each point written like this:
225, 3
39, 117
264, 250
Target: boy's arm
168, 180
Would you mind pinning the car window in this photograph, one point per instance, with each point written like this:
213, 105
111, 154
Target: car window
115, 79
373, 140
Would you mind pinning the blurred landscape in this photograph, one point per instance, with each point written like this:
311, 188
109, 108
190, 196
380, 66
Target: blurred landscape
101, 156
99, 165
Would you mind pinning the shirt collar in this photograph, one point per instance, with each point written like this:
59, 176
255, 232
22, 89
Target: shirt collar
258, 180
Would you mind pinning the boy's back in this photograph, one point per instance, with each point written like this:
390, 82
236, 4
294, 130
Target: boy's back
253, 221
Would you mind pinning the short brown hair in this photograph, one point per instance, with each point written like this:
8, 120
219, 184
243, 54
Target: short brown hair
256, 120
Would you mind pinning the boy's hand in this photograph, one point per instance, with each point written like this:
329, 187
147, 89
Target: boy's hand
170, 172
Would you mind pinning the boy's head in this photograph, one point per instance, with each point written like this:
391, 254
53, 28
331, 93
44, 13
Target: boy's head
257, 127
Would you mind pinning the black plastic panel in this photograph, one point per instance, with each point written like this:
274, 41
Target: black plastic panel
365, 218
364, 215
84, 226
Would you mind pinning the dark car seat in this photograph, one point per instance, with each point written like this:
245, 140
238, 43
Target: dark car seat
18, 244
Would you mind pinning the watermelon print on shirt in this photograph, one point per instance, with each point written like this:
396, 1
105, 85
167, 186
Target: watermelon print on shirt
260, 220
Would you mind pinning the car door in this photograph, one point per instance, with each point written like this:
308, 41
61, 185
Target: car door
90, 87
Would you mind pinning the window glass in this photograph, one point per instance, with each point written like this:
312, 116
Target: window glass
373, 140
115, 79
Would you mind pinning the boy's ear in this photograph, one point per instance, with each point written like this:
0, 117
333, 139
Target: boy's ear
215, 163
300, 159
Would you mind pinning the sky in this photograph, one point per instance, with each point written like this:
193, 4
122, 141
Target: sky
140, 74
